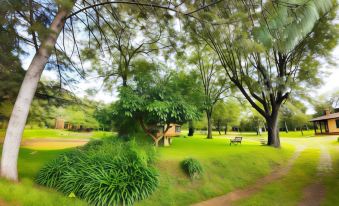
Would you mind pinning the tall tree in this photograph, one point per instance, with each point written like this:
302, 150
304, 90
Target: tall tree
213, 80
261, 46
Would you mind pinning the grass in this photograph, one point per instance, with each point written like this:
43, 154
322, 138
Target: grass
225, 168
332, 181
56, 133
289, 190
26, 193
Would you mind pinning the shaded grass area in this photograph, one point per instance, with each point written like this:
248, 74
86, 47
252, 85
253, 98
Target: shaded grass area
289, 190
27, 193
225, 168
56, 133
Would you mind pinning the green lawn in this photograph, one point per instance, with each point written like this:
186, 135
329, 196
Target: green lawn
26, 193
225, 168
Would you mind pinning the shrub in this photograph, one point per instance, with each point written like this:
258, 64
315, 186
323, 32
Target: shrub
52, 173
192, 168
112, 172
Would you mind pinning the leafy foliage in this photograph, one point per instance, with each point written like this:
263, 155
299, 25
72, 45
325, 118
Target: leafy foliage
104, 172
192, 168
154, 99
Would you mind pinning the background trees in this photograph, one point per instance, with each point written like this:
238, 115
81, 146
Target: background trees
226, 114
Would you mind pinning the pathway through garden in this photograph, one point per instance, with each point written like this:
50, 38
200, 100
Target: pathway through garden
229, 198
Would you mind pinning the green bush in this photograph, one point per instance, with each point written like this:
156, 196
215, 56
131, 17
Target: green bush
51, 174
192, 168
109, 172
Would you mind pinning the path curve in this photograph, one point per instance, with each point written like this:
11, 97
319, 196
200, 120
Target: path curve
229, 198
315, 192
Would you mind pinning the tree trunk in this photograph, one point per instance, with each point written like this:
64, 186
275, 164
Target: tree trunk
301, 130
21, 107
219, 127
226, 128
190, 128
156, 142
124, 81
273, 131
286, 129
209, 124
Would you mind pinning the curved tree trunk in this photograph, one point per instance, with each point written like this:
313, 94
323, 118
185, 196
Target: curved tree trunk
21, 107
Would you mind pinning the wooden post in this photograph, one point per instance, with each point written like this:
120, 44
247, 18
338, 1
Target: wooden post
315, 127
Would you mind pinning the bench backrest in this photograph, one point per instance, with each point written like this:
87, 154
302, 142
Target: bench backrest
238, 138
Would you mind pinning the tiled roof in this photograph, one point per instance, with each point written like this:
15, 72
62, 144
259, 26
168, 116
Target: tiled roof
329, 116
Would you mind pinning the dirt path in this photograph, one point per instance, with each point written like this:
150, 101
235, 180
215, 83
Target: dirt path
315, 193
53, 143
229, 198
3, 203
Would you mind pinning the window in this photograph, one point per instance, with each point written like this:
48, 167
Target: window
337, 122
177, 129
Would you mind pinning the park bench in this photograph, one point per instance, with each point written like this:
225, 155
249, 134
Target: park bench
236, 140
263, 141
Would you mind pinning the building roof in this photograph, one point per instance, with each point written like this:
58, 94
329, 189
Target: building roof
329, 116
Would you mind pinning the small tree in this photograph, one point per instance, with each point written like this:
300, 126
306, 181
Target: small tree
155, 101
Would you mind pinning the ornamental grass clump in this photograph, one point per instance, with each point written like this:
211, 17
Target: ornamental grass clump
109, 173
192, 168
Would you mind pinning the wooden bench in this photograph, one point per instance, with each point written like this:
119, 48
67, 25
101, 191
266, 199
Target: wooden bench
236, 140
263, 141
